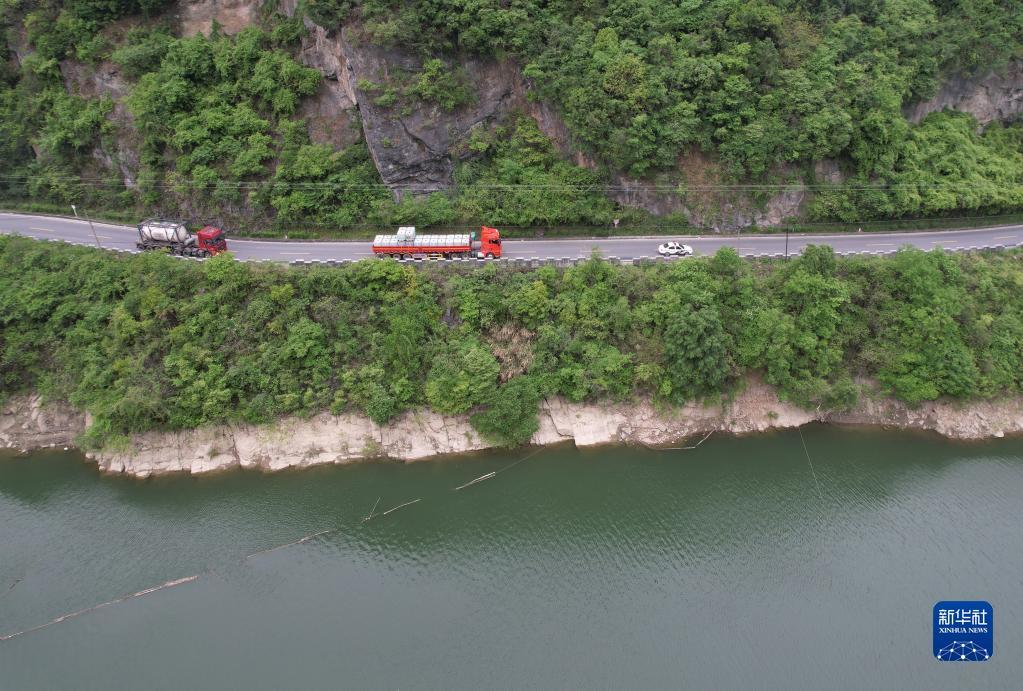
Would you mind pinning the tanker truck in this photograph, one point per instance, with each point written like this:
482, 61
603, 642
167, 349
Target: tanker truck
174, 235
407, 244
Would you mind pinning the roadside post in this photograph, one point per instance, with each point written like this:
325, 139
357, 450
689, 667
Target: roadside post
94, 236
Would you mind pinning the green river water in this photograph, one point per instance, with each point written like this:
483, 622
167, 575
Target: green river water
619, 568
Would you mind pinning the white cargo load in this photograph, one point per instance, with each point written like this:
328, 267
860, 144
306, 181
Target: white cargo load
425, 242
164, 231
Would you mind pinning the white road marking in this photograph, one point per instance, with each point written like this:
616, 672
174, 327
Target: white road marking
295, 254
1005, 237
45, 230
881, 244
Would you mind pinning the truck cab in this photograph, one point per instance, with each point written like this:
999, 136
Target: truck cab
490, 242
212, 239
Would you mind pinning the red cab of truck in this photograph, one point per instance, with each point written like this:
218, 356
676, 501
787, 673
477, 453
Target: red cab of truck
211, 239
490, 242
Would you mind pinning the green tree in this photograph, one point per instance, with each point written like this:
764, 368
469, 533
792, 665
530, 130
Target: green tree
696, 355
461, 377
510, 417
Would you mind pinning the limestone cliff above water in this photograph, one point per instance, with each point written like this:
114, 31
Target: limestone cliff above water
326, 439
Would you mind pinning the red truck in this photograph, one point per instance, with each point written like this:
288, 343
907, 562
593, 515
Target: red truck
406, 244
174, 235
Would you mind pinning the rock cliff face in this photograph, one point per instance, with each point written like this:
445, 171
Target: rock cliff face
415, 149
25, 423
416, 145
328, 439
104, 79
332, 114
990, 97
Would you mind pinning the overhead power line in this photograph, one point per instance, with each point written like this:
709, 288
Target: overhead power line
681, 188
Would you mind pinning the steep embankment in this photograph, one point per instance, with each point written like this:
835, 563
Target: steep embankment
324, 439
335, 113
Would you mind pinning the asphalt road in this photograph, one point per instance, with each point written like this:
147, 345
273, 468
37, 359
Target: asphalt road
117, 237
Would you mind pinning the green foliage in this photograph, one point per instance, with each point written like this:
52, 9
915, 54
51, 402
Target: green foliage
315, 183
210, 111
211, 105
759, 83
922, 352
462, 377
148, 342
72, 124
435, 83
696, 353
510, 416
329, 13
142, 51
719, 91
59, 30
942, 165
521, 181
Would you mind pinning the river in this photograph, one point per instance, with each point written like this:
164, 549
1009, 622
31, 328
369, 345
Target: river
624, 568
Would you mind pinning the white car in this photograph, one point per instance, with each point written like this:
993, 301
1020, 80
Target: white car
674, 249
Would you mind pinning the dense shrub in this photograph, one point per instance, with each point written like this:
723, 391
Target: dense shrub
152, 342
759, 82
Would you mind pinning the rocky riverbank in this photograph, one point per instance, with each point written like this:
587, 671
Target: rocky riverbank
25, 424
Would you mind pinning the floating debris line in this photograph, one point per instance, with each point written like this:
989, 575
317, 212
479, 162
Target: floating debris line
372, 512
72, 615
481, 478
189, 579
400, 506
493, 474
812, 472
155, 588
299, 541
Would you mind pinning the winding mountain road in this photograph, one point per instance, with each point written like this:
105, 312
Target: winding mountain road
122, 238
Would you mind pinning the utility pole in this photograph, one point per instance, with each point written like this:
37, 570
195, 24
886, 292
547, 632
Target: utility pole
94, 236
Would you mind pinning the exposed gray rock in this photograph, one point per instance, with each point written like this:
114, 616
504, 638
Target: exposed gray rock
829, 170
328, 439
785, 205
415, 148
332, 114
989, 97
121, 150
658, 199
699, 192
27, 423
414, 145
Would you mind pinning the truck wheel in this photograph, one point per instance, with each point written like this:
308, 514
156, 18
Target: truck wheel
490, 255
